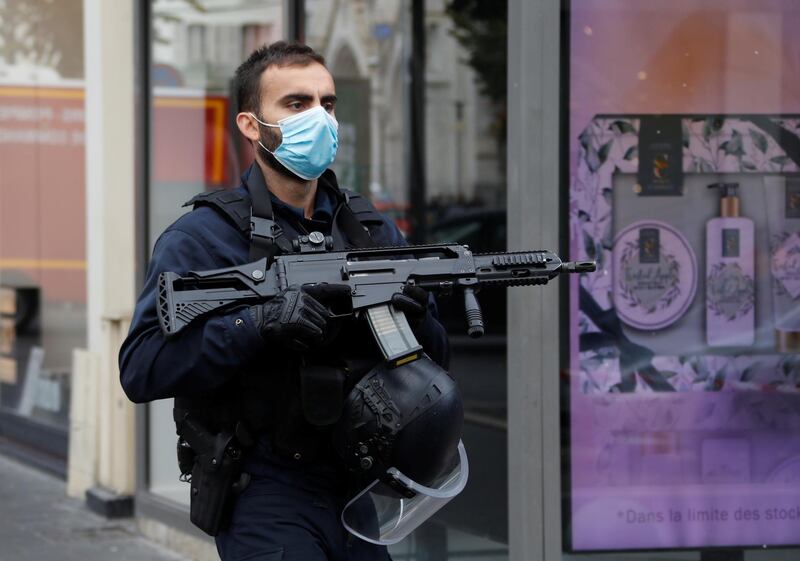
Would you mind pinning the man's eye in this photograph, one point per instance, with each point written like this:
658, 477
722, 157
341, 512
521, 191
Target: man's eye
296, 105
328, 106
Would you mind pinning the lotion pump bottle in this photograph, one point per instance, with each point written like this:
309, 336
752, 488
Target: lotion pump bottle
730, 273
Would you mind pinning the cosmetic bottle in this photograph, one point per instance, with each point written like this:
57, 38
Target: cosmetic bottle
730, 273
782, 197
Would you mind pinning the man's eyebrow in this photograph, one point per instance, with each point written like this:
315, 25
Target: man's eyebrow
296, 97
329, 98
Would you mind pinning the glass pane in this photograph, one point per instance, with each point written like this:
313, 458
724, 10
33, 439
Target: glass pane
367, 46
684, 142
195, 145
42, 206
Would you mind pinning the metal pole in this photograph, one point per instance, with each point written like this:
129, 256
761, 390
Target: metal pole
415, 139
142, 119
534, 216
460, 191
295, 19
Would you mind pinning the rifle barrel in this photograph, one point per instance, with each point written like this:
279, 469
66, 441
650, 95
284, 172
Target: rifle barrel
579, 266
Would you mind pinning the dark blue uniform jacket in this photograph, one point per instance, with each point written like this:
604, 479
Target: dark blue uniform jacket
215, 349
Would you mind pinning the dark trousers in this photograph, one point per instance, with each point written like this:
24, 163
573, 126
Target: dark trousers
278, 520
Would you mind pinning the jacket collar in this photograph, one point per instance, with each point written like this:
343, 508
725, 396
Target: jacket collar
328, 196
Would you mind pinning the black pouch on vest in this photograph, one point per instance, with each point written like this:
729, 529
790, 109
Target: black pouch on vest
322, 393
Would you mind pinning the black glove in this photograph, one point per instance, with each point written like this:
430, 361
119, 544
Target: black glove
413, 302
296, 317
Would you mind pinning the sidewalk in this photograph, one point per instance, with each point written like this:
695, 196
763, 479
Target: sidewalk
40, 523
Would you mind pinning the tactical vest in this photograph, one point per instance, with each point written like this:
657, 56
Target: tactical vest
292, 406
278, 404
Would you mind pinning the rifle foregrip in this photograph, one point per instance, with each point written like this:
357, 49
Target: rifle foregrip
474, 314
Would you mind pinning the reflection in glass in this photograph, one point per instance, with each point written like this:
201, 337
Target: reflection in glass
195, 145
367, 47
682, 392
42, 207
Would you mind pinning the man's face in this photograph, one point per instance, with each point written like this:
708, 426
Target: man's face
286, 91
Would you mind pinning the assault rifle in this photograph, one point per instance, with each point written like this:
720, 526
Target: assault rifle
373, 276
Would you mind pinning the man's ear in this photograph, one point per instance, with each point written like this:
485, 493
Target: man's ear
247, 126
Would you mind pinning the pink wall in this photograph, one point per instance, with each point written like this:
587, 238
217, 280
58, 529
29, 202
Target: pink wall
42, 190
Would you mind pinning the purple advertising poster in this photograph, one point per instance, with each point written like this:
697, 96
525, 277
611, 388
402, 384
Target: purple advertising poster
685, 399
685, 188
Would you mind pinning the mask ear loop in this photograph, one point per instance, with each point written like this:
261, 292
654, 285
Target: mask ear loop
259, 121
253, 115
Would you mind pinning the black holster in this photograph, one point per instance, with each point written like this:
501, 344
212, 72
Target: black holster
212, 463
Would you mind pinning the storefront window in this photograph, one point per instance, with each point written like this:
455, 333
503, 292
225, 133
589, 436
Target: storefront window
195, 145
684, 143
367, 47
42, 211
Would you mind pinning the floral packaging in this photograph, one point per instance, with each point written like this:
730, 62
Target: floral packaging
654, 275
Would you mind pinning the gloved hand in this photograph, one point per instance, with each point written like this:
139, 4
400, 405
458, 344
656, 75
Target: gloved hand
413, 302
297, 317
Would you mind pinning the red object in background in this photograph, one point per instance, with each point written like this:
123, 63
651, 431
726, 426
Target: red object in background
190, 138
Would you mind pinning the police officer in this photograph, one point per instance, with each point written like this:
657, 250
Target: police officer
248, 369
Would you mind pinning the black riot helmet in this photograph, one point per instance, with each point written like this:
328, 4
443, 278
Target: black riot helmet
400, 432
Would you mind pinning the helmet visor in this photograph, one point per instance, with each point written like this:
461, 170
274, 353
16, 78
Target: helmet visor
387, 510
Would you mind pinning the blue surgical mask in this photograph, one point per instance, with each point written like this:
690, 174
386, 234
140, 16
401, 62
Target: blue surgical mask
309, 143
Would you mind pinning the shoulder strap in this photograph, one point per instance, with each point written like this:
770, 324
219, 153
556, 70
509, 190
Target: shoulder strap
359, 220
362, 209
230, 204
266, 237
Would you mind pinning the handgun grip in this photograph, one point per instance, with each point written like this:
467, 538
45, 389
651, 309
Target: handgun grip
474, 314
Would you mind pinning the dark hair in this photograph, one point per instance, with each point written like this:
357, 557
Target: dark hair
280, 53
